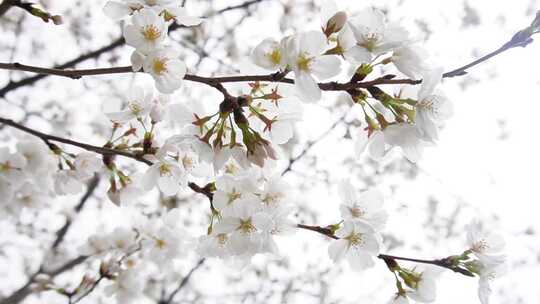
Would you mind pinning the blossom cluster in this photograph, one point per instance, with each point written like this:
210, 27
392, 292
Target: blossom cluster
36, 172
146, 29
409, 120
483, 258
236, 143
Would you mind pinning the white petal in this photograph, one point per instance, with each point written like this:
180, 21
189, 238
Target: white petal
325, 66
337, 249
306, 87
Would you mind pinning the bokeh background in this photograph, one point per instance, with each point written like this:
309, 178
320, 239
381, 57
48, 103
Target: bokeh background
485, 165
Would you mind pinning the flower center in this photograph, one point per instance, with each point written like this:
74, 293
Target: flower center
159, 66
275, 56
160, 243
303, 62
355, 239
151, 32
222, 239
233, 195
164, 170
272, 198
370, 41
188, 162
480, 246
246, 226
135, 107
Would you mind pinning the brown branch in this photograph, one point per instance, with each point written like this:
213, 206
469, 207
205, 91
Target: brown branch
24, 291
13, 85
47, 138
215, 82
444, 263
6, 5
183, 283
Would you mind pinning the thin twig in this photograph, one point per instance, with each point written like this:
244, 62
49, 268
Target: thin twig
13, 85
183, 283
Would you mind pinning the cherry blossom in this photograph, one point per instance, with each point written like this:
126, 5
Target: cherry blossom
166, 69
147, 32
305, 57
270, 54
139, 105
482, 242
374, 34
358, 243
366, 206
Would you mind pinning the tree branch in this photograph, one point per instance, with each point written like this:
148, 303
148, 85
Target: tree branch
183, 283
47, 138
13, 85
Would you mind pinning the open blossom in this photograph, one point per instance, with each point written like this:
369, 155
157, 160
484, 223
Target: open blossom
167, 175
424, 286
401, 135
374, 35
305, 57
67, 182
270, 54
139, 105
482, 242
164, 240
488, 269
147, 32
358, 243
231, 192
432, 108
28, 196
11, 167
165, 67
280, 225
366, 206
37, 154
86, 165
126, 287
245, 225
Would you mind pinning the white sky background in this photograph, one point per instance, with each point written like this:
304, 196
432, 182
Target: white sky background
485, 164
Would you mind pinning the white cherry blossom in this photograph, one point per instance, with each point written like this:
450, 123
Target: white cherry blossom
139, 104
270, 54
245, 225
482, 242
165, 67
67, 182
305, 57
147, 32
126, 287
11, 167
86, 165
374, 34
366, 206
231, 192
432, 108
358, 243
425, 289
167, 174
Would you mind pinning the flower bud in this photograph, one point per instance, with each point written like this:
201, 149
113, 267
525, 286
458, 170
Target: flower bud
336, 23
